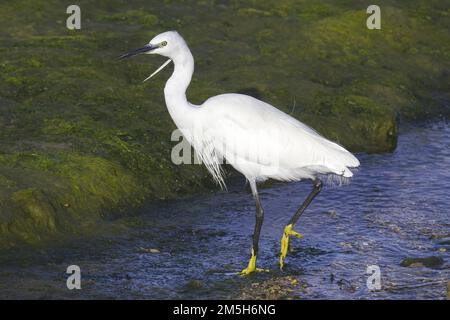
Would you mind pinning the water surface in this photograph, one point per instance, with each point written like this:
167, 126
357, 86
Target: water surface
396, 207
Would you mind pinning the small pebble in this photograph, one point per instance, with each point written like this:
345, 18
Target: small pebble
149, 250
194, 285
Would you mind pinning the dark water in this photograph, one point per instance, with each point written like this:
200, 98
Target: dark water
396, 207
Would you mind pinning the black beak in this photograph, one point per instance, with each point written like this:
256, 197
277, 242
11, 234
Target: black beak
135, 52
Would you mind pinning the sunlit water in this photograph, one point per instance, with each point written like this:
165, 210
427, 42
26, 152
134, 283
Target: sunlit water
397, 206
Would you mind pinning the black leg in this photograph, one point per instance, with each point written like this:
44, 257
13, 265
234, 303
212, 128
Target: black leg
288, 230
259, 221
317, 187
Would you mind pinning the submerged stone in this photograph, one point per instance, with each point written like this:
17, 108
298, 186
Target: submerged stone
429, 262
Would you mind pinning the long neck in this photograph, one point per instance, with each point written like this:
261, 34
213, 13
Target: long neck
176, 86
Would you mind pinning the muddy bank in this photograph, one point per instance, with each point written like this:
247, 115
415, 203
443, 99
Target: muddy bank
81, 136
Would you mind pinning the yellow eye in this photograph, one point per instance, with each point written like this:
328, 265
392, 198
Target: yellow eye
164, 43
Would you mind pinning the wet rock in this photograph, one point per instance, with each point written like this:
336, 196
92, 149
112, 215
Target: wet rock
375, 123
194, 285
346, 245
448, 290
332, 213
149, 250
287, 287
429, 262
346, 285
440, 236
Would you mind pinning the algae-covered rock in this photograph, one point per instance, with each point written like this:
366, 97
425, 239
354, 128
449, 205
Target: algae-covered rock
430, 262
355, 121
137, 16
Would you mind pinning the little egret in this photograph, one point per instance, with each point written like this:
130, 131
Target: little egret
257, 139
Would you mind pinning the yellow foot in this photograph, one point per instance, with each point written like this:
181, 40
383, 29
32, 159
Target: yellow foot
285, 242
252, 266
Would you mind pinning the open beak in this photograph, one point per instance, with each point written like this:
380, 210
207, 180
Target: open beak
158, 70
135, 52
145, 49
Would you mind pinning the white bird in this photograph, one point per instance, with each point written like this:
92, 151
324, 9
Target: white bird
257, 139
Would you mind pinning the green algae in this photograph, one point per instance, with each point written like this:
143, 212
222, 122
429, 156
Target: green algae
139, 17
375, 136
69, 191
81, 136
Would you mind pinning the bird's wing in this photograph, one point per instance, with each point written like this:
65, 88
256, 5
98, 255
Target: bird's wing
247, 128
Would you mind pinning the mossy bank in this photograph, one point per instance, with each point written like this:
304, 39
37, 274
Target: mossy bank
82, 137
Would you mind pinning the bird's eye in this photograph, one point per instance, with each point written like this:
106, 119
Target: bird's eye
164, 43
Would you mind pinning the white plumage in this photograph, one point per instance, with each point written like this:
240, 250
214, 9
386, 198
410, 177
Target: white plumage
263, 142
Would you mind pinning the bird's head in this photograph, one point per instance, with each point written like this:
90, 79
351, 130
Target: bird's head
168, 44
